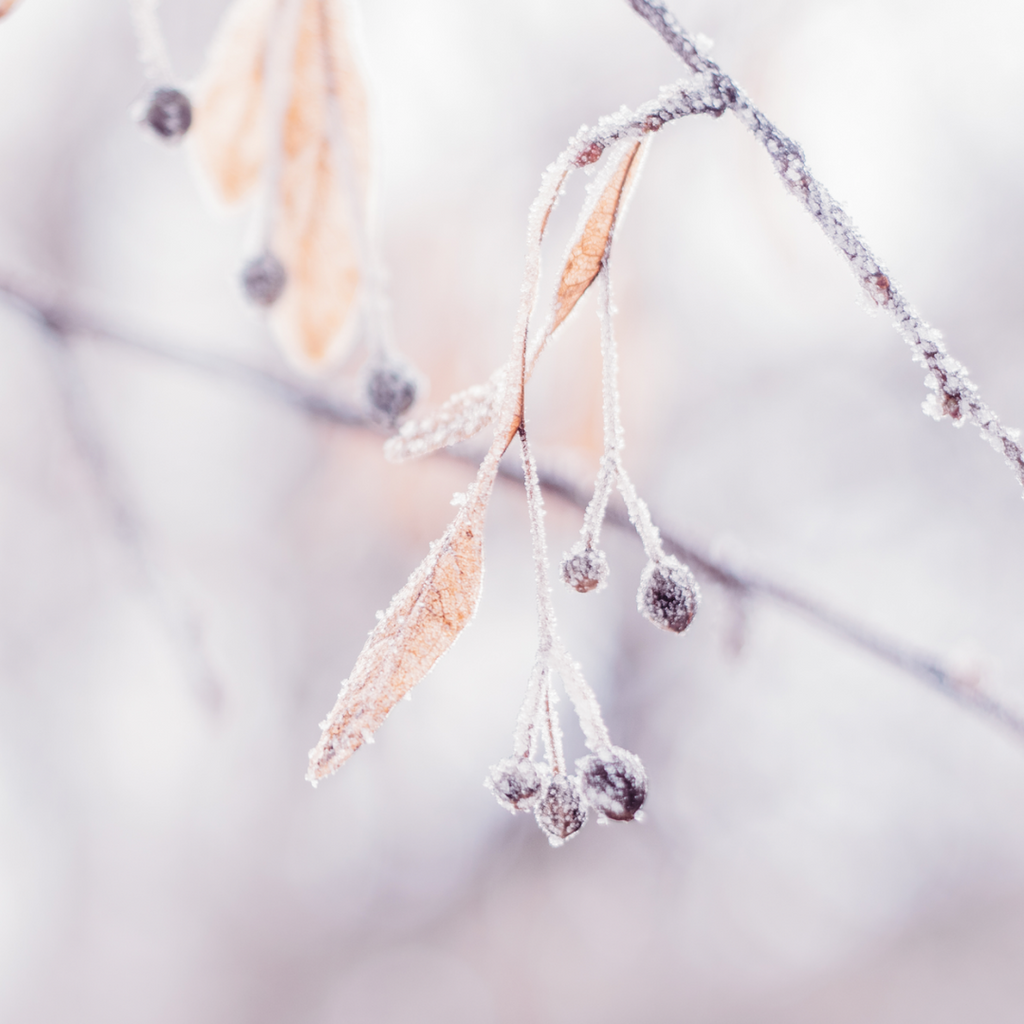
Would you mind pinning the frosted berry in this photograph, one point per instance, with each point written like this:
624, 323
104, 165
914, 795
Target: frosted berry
585, 570
560, 812
168, 112
613, 783
515, 782
263, 279
390, 390
668, 594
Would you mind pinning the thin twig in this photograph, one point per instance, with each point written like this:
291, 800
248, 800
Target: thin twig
180, 622
926, 667
954, 394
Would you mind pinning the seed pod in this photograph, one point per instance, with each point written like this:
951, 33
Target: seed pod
613, 783
168, 112
515, 782
668, 594
560, 811
585, 570
390, 390
263, 279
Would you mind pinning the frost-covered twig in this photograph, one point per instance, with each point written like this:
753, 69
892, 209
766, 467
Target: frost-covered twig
928, 668
954, 394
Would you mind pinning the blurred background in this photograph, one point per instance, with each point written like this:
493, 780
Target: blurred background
189, 567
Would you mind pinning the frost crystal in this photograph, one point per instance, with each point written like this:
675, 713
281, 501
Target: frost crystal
668, 594
168, 113
263, 279
560, 811
613, 783
464, 414
516, 783
585, 570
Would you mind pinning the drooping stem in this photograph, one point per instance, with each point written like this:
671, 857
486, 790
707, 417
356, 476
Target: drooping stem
612, 469
153, 55
549, 648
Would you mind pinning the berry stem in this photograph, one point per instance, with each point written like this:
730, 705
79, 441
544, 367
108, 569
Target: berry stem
612, 470
550, 650
595, 732
546, 625
153, 55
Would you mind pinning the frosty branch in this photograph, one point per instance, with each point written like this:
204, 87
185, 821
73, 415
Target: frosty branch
70, 326
954, 394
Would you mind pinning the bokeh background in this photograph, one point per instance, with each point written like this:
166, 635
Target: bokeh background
826, 840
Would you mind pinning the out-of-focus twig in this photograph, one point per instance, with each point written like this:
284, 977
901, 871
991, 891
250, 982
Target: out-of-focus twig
953, 393
68, 324
180, 622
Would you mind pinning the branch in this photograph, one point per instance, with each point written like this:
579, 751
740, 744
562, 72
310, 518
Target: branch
68, 324
954, 394
179, 620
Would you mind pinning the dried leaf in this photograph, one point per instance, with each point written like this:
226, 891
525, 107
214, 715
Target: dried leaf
320, 183
6, 5
229, 124
462, 416
588, 251
468, 412
422, 622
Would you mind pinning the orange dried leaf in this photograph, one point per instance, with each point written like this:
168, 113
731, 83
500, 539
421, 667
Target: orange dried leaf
588, 251
229, 124
422, 622
321, 182
6, 5
467, 412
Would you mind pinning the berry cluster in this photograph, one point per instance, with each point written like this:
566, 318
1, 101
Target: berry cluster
612, 784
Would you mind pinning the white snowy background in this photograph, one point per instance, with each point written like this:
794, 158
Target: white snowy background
826, 839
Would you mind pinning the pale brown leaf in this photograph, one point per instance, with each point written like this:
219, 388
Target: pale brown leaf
588, 251
6, 5
318, 191
422, 622
461, 417
467, 412
229, 121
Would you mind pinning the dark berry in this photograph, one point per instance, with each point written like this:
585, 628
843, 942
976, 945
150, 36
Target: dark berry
168, 113
263, 279
560, 812
614, 783
668, 594
390, 390
515, 782
585, 570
